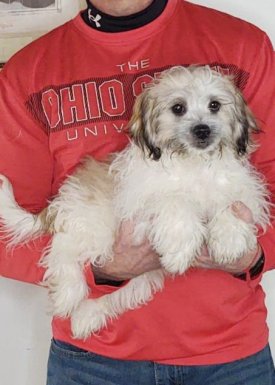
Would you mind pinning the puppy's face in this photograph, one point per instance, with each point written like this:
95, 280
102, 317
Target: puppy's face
191, 110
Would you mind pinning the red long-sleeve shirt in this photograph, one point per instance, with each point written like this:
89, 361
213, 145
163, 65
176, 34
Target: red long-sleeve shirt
69, 94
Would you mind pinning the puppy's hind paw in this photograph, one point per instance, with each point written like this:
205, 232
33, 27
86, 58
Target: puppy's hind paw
88, 318
5, 187
4, 181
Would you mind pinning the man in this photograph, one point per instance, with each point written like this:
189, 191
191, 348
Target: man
70, 94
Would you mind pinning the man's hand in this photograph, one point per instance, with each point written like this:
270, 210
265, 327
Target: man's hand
242, 264
129, 260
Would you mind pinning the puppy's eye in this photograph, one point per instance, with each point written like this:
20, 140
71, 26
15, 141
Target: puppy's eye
178, 109
214, 106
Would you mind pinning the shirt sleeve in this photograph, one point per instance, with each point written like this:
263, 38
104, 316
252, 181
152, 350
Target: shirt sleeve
25, 159
261, 99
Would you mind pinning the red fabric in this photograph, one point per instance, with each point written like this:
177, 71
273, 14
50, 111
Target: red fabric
69, 94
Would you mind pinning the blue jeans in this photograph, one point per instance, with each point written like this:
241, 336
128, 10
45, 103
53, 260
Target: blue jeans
69, 365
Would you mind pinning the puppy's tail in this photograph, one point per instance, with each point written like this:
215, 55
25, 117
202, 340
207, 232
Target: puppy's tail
16, 224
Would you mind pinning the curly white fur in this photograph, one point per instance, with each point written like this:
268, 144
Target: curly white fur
187, 163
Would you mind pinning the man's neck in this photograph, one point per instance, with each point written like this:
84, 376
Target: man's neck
121, 7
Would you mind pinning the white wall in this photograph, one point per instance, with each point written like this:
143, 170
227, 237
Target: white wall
25, 327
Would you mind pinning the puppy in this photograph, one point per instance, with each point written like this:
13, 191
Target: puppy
186, 164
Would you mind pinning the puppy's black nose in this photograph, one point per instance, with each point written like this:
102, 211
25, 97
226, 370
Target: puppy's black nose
201, 131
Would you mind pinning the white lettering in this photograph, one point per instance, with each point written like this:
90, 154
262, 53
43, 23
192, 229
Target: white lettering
134, 66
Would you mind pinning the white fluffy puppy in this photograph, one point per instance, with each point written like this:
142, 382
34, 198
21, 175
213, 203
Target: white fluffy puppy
186, 164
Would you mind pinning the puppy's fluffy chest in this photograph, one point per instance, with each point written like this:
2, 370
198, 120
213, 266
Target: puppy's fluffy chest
218, 179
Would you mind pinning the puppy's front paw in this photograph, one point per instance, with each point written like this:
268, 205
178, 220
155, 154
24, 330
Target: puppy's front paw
230, 238
182, 254
179, 242
177, 263
88, 318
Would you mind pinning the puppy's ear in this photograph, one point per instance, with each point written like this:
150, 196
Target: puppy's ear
245, 125
143, 125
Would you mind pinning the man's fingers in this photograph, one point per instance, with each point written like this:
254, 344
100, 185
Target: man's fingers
125, 233
242, 212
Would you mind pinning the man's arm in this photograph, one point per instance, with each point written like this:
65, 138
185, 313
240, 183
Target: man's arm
261, 99
25, 159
